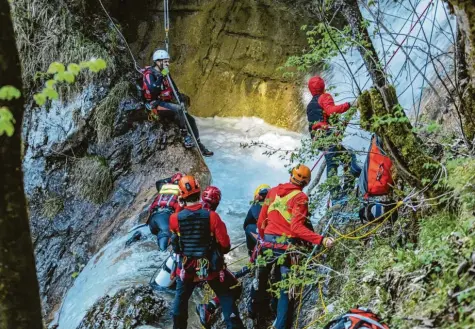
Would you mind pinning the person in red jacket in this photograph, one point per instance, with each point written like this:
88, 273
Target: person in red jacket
200, 238
284, 213
319, 110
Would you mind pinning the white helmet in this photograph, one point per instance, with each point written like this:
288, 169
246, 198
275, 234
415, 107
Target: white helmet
160, 54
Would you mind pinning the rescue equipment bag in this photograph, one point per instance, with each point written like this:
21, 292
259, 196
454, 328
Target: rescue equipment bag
376, 178
357, 318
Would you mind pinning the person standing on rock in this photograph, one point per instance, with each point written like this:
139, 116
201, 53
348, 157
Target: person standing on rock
250, 222
163, 206
158, 88
200, 239
282, 222
319, 110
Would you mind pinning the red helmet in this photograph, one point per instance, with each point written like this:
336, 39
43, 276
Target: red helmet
176, 177
211, 196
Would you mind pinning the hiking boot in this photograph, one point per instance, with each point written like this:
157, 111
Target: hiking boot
204, 313
188, 142
135, 237
204, 150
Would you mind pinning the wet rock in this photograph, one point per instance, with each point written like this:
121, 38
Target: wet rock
129, 308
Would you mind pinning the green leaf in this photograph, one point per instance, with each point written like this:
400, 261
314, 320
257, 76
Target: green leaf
55, 67
96, 65
74, 275
9, 92
40, 99
7, 122
50, 83
74, 68
69, 77
50, 93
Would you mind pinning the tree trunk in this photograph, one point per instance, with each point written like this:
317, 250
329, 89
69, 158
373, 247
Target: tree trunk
403, 146
465, 12
20, 306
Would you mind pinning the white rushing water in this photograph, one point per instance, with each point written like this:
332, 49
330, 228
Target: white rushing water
237, 171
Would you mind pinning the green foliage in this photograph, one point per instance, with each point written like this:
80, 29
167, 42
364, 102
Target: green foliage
52, 205
8, 93
61, 74
106, 110
6, 122
93, 178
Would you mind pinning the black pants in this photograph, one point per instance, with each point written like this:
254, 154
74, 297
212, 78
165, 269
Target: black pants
250, 238
159, 226
183, 292
260, 298
177, 113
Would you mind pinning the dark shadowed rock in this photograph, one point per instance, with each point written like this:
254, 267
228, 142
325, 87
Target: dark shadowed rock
128, 308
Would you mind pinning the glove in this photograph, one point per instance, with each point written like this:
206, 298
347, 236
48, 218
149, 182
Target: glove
328, 242
165, 71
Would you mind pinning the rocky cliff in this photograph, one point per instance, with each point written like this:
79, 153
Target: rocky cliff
226, 54
91, 159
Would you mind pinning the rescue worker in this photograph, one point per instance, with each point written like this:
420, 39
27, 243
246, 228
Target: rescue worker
284, 213
164, 204
319, 110
210, 198
250, 223
200, 239
159, 94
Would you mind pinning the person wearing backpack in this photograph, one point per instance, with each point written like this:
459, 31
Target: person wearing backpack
157, 90
164, 204
250, 222
283, 222
200, 239
319, 110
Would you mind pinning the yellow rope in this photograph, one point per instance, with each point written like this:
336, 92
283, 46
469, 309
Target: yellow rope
347, 236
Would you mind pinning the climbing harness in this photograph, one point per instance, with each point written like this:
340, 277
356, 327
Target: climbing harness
166, 22
136, 66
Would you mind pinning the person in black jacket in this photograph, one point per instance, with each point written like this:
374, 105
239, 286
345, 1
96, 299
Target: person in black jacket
158, 89
250, 223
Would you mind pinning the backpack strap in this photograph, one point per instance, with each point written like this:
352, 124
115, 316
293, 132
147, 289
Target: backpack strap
364, 318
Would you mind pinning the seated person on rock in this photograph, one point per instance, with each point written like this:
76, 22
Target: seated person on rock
164, 204
250, 223
319, 110
158, 91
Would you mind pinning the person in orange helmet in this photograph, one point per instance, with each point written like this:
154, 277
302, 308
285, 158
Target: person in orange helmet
200, 238
284, 213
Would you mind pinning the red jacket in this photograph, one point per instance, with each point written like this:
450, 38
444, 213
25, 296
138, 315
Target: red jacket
217, 227
322, 100
274, 223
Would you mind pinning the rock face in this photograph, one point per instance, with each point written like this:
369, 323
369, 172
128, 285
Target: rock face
81, 191
130, 308
226, 54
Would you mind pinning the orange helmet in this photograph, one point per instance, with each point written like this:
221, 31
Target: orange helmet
301, 175
188, 185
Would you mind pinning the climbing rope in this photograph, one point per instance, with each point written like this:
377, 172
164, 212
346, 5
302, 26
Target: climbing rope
413, 25
177, 97
136, 66
166, 22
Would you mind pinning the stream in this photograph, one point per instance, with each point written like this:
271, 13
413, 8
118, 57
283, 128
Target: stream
238, 171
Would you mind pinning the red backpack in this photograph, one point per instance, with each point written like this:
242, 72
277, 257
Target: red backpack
357, 318
376, 178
